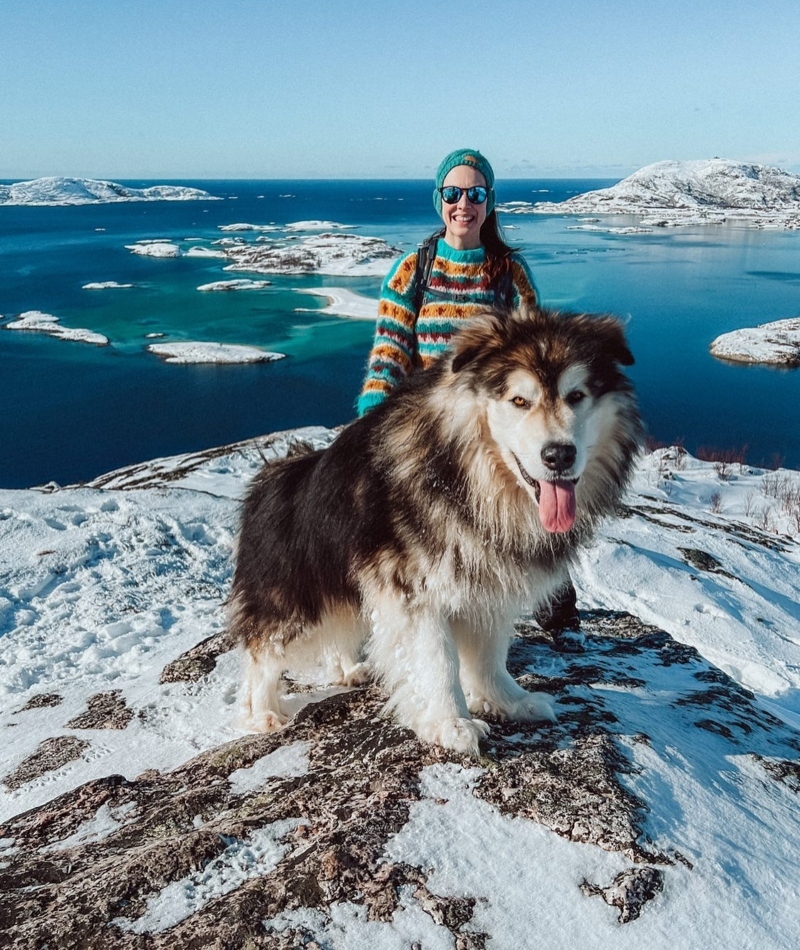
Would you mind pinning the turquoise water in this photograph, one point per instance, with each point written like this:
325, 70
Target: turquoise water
72, 411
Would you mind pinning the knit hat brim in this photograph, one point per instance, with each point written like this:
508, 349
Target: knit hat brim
464, 156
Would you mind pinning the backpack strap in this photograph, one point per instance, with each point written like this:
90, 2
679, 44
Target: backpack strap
426, 255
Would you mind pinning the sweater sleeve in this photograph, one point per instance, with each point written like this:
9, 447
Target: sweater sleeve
392, 355
524, 286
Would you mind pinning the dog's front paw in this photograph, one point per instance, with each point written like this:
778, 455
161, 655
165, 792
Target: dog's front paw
522, 707
532, 707
458, 734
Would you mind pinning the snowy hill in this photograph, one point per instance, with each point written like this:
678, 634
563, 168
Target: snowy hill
707, 191
660, 810
82, 191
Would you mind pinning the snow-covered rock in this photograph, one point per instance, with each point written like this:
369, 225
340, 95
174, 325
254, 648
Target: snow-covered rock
349, 254
705, 192
106, 285
155, 249
777, 343
81, 191
34, 321
203, 352
241, 284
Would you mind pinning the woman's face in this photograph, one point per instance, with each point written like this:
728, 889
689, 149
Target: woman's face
462, 221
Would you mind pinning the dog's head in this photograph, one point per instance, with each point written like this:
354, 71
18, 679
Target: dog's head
555, 399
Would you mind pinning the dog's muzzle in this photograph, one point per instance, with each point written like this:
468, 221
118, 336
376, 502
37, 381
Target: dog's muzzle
555, 498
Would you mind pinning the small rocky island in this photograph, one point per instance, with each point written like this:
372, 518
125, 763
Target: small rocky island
776, 343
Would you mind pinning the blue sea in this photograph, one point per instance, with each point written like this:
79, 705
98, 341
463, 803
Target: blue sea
71, 411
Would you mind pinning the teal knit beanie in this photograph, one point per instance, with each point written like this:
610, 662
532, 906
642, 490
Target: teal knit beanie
464, 156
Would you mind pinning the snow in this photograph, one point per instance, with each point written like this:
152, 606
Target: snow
342, 302
205, 252
709, 191
286, 761
106, 285
34, 321
103, 584
154, 249
777, 343
317, 226
79, 191
203, 352
239, 862
242, 284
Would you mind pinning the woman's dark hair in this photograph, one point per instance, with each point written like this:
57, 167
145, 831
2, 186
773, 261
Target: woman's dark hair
498, 253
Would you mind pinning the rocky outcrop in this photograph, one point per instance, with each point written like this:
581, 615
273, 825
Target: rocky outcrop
85, 869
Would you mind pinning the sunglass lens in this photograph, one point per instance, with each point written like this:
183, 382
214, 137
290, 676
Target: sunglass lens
476, 195
451, 195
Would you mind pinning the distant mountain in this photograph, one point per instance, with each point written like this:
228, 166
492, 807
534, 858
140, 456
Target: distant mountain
82, 191
697, 187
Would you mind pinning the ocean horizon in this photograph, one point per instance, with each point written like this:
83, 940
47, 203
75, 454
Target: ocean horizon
72, 411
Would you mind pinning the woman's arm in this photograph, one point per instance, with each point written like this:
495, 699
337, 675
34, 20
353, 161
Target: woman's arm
392, 355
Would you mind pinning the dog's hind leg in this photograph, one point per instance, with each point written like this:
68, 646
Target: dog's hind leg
345, 634
261, 709
483, 643
413, 652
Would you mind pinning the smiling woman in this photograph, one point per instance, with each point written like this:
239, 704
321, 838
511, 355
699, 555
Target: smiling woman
461, 271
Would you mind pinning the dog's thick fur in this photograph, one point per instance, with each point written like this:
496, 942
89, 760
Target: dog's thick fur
432, 522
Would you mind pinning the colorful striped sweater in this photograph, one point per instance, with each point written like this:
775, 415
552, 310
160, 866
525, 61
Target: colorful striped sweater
457, 290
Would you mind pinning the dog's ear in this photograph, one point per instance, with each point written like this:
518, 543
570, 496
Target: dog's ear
612, 338
478, 338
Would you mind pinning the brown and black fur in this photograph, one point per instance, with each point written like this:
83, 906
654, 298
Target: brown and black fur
414, 520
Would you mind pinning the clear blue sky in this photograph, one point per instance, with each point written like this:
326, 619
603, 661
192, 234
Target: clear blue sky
338, 88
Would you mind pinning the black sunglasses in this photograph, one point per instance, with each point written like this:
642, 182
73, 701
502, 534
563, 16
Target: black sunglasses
451, 195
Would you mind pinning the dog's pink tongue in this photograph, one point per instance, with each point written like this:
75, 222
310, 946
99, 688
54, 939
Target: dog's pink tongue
557, 505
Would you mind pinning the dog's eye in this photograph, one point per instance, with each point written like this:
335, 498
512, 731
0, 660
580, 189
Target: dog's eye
521, 403
575, 397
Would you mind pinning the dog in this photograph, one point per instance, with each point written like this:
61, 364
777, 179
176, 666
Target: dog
405, 550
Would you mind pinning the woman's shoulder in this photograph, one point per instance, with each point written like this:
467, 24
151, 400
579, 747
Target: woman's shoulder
401, 273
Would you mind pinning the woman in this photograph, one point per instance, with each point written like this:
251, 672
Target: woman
467, 267
470, 266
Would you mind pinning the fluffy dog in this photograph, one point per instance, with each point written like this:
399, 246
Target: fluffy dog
427, 526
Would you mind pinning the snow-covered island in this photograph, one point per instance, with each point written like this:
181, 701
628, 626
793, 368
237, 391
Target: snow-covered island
230, 285
83, 191
659, 811
710, 191
339, 254
106, 285
776, 343
34, 321
154, 248
194, 351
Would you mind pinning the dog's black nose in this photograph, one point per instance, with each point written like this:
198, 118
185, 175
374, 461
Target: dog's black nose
559, 456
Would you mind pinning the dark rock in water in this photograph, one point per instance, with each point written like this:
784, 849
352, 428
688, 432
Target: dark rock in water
82, 869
